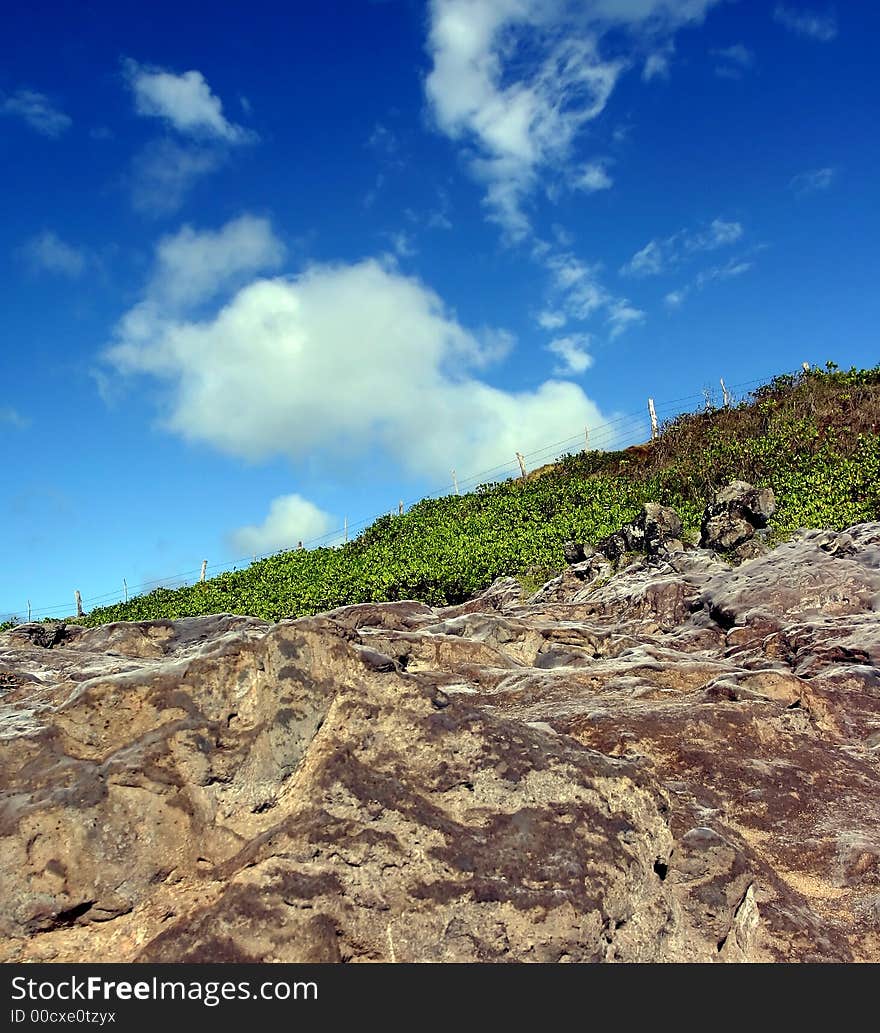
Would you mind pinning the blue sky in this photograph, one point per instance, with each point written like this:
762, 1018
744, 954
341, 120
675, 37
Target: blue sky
266, 269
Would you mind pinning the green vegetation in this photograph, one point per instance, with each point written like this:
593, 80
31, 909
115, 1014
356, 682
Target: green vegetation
813, 438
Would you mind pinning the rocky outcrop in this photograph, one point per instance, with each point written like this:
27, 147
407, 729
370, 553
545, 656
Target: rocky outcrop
730, 521
679, 762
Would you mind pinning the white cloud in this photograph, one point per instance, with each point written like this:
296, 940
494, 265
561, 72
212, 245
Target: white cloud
516, 81
47, 252
551, 320
37, 111
735, 267
622, 315
578, 293
185, 102
342, 360
657, 63
193, 266
593, 177
572, 350
810, 182
822, 27
165, 171
731, 269
657, 256
291, 519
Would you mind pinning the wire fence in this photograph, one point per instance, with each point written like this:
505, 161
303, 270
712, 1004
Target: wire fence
621, 432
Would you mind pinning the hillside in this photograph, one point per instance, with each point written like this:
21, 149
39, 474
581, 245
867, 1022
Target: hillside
814, 438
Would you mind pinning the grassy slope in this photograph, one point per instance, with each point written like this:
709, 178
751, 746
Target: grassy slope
813, 438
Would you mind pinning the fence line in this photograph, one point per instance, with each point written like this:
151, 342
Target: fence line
620, 432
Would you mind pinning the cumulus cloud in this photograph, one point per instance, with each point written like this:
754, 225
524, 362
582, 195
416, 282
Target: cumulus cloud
657, 256
821, 27
572, 351
516, 81
810, 182
183, 101
193, 266
340, 360
291, 519
47, 252
37, 111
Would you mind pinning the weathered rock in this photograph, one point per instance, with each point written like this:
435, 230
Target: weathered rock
573, 552
736, 511
677, 762
655, 531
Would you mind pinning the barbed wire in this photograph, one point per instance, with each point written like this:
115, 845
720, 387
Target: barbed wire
619, 432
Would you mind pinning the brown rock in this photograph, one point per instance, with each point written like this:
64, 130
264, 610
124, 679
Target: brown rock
677, 763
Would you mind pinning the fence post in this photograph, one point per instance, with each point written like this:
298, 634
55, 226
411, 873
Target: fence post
204, 568
125, 589
79, 602
653, 414
29, 611
725, 394
400, 508
455, 483
522, 463
345, 531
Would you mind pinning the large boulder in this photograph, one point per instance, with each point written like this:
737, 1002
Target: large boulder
735, 513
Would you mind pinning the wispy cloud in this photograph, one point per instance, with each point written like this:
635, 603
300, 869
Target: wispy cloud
182, 101
733, 61
810, 182
572, 353
47, 252
37, 111
660, 255
11, 417
728, 271
516, 81
593, 177
815, 25
165, 171
577, 293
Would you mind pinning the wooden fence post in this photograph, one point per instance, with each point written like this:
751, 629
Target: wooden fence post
653, 414
29, 611
79, 602
455, 483
522, 463
125, 589
725, 394
400, 508
204, 568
